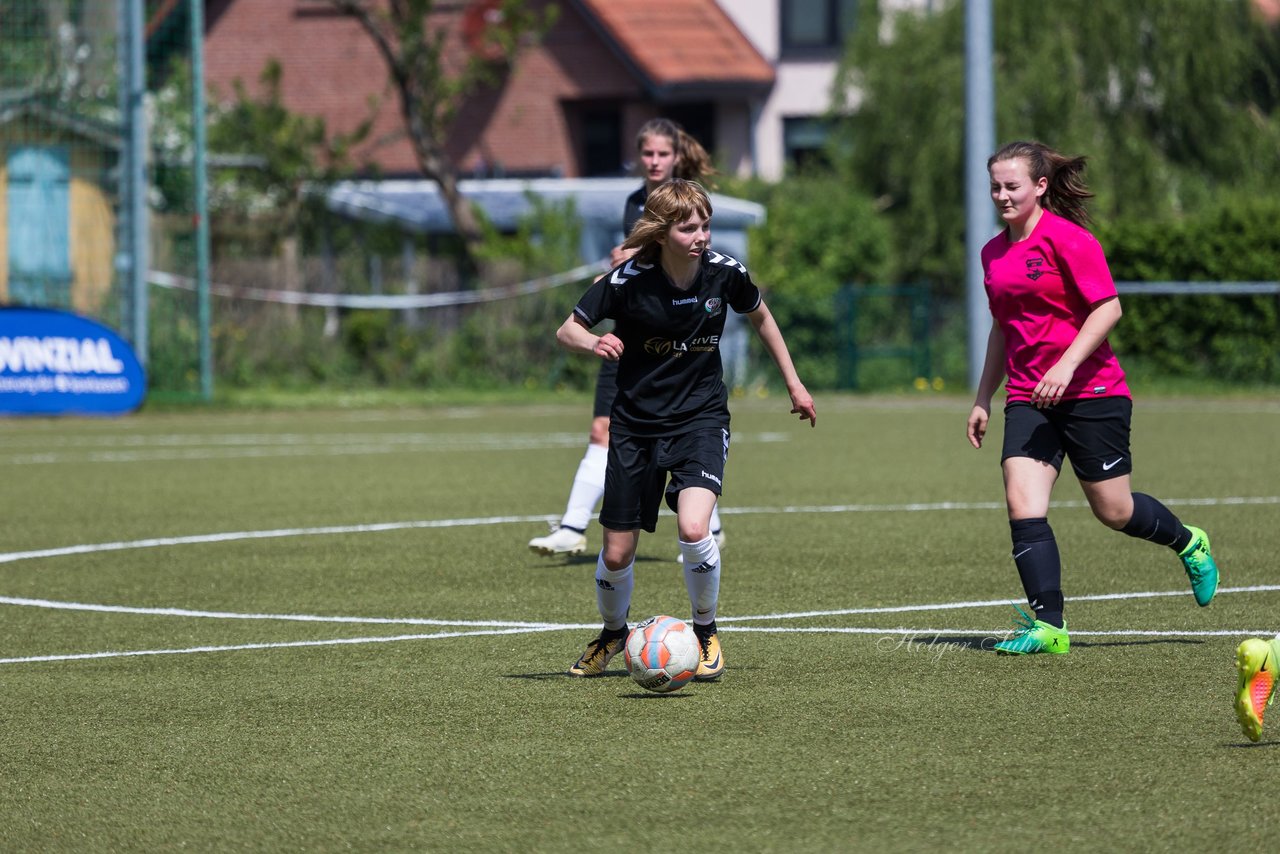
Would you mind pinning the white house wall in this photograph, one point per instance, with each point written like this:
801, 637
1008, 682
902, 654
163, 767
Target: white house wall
802, 87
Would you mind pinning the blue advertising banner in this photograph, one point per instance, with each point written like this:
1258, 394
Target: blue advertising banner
54, 362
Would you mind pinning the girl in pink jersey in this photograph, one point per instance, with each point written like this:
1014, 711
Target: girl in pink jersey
1053, 303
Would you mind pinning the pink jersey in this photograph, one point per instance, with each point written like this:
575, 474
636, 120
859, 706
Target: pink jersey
1040, 291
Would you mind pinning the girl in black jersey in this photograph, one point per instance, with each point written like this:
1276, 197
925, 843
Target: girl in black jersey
669, 426
665, 151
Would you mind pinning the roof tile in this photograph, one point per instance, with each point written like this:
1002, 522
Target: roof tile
681, 42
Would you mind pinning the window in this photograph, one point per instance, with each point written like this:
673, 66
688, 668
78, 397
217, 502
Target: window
697, 118
601, 142
816, 26
804, 141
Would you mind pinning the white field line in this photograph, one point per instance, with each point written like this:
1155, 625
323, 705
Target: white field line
296, 618
984, 603
543, 625
862, 630
502, 627
232, 536
132, 449
997, 633
83, 656
508, 628
89, 548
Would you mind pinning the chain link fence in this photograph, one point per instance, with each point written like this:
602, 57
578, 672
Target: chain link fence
96, 166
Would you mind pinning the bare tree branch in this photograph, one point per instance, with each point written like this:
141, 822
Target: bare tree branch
415, 56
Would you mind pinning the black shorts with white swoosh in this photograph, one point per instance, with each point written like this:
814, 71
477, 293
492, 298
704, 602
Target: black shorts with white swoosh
1093, 433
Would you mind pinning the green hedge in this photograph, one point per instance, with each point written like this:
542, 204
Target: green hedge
1224, 338
820, 235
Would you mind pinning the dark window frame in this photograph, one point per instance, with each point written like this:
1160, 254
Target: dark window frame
797, 157
833, 37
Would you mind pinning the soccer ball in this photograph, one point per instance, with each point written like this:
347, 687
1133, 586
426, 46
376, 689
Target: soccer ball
662, 653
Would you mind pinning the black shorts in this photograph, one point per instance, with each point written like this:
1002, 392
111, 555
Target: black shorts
606, 389
1093, 433
637, 471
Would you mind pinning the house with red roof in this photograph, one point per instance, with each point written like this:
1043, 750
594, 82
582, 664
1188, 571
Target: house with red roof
568, 106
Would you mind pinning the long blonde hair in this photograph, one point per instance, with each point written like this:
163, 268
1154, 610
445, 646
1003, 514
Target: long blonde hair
669, 204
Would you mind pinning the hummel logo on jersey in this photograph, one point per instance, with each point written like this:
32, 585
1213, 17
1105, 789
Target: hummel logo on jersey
627, 271
703, 568
686, 301
1109, 466
716, 258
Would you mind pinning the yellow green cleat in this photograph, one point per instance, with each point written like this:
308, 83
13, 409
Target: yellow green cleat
1257, 661
1035, 636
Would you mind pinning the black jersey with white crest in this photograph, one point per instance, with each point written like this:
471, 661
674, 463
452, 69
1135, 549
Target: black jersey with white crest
670, 378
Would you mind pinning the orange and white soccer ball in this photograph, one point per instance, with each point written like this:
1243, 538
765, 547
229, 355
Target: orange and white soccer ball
662, 653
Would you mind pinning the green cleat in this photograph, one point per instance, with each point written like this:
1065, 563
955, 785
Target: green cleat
1201, 569
1256, 664
1035, 636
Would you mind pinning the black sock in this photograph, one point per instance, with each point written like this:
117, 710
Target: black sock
1048, 607
1152, 521
1035, 552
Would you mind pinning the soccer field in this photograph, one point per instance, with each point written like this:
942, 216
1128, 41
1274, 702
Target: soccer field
323, 631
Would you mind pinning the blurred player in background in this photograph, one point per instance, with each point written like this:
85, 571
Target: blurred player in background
666, 151
669, 426
1054, 303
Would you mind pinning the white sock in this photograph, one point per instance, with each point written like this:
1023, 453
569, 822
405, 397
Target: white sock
588, 488
613, 593
702, 578
715, 518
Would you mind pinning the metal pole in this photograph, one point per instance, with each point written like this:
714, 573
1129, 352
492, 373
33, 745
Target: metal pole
135, 178
979, 127
199, 167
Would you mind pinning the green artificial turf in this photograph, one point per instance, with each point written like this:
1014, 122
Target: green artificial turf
154, 697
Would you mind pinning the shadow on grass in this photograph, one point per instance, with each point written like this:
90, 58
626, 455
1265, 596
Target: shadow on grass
608, 674
977, 643
1143, 642
560, 674
587, 559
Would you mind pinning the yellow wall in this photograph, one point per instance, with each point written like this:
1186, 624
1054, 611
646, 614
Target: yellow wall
4, 224
93, 244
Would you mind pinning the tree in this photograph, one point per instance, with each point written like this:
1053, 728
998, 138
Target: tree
287, 154
59, 50
1174, 102
431, 82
